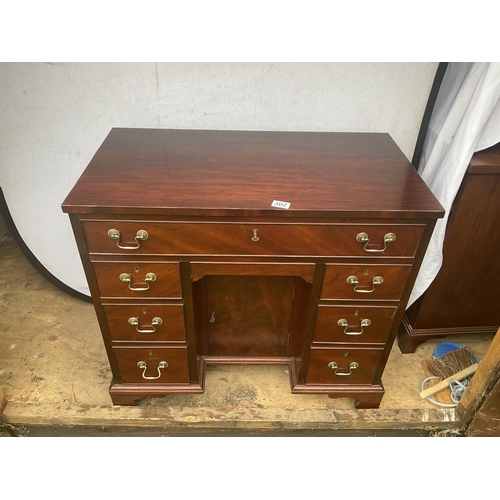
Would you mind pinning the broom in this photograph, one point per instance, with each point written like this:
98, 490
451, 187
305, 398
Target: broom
455, 365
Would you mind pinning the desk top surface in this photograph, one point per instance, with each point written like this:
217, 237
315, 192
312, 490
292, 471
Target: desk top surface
240, 173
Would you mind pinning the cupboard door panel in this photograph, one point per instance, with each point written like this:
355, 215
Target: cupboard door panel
249, 315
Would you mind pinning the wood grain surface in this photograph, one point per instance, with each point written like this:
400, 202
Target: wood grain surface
147, 171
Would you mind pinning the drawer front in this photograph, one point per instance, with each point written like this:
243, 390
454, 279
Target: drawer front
146, 323
364, 282
353, 324
338, 366
252, 239
138, 280
158, 365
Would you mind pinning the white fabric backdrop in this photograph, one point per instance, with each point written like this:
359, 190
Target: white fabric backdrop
466, 119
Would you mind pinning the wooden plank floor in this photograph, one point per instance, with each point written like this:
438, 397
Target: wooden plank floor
55, 374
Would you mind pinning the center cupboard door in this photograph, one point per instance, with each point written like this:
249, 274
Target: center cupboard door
251, 310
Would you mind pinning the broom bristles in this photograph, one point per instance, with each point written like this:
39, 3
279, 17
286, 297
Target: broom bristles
451, 363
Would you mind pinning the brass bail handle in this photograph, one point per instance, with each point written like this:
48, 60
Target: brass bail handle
143, 366
352, 280
141, 235
148, 279
135, 322
344, 323
335, 367
363, 238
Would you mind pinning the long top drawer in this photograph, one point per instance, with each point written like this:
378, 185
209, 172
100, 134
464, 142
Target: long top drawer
209, 238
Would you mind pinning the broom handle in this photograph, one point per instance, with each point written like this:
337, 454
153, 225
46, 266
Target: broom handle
446, 382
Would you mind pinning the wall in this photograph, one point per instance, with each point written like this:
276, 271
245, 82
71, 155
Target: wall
53, 117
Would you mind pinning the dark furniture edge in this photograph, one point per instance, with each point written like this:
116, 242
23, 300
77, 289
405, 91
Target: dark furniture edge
424, 126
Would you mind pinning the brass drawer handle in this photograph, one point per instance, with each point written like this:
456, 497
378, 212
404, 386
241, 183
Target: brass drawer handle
143, 366
352, 280
255, 237
363, 238
335, 367
127, 279
141, 235
343, 322
135, 322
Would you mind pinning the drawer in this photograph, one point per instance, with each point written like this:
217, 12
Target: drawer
343, 366
138, 280
353, 324
364, 281
151, 365
146, 323
208, 238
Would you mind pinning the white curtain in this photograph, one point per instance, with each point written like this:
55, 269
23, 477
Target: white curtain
466, 119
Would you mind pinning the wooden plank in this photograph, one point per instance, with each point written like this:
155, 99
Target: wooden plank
83, 431
443, 396
3, 404
487, 421
3, 401
212, 420
483, 381
6, 429
445, 384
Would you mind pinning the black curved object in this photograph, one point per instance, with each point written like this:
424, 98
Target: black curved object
424, 126
9, 222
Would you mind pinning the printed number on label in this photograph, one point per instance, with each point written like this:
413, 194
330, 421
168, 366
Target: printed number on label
280, 204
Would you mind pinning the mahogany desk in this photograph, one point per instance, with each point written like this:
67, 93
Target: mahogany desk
190, 262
